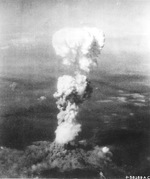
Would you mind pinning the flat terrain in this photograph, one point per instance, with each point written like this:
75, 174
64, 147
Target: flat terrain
117, 116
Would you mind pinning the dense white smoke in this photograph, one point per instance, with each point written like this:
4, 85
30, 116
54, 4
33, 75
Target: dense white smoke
81, 48
71, 91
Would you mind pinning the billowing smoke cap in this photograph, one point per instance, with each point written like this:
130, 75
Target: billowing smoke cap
76, 88
98, 36
79, 46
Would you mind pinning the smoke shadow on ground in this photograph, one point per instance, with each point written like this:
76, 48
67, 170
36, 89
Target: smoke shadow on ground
18, 131
27, 111
130, 148
24, 122
24, 132
23, 126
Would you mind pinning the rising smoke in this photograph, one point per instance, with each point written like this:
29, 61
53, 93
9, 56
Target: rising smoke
80, 48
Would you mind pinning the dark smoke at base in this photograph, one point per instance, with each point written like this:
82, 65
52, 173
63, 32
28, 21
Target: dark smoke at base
45, 159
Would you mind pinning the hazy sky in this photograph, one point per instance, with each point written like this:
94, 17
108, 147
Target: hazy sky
115, 17
126, 21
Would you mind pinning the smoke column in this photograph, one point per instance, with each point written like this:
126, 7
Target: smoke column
79, 48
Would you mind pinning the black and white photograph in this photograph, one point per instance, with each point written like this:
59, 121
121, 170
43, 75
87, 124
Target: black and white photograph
75, 89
